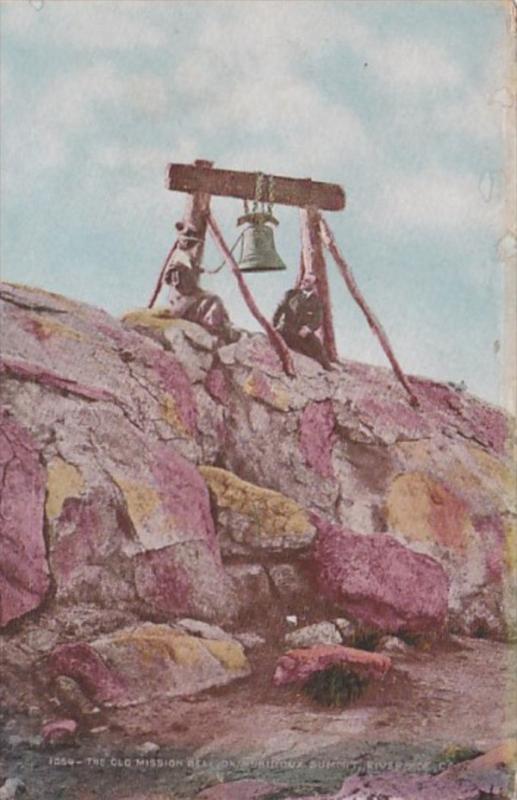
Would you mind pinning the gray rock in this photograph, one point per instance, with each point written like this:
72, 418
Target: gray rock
392, 644
12, 788
320, 633
147, 748
250, 641
347, 629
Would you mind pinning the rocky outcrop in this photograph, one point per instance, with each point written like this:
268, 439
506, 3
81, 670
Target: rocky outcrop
151, 474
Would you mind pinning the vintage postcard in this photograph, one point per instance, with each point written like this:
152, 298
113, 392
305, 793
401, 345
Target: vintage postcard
258, 350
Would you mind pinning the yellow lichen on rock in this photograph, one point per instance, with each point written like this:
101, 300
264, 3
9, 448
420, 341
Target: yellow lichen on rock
161, 641
469, 471
273, 512
49, 327
170, 414
426, 510
157, 318
63, 480
510, 527
141, 500
229, 654
273, 396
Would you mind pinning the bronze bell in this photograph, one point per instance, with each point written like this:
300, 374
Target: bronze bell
258, 253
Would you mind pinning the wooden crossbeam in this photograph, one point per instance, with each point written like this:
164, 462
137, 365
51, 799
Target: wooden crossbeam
199, 177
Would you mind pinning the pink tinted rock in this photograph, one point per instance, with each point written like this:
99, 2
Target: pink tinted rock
186, 579
173, 379
408, 786
59, 730
46, 377
297, 666
393, 418
80, 662
24, 574
493, 539
184, 495
240, 790
317, 436
377, 581
216, 385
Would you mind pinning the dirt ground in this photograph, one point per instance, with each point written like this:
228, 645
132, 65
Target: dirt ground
456, 695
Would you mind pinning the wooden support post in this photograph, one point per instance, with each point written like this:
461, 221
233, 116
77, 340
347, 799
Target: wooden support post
373, 322
274, 337
196, 214
314, 264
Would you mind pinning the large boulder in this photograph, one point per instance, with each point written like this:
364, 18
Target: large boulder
138, 664
379, 582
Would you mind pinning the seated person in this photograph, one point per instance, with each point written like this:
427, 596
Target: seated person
188, 301
298, 318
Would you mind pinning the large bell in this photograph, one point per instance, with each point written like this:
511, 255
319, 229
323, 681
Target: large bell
258, 252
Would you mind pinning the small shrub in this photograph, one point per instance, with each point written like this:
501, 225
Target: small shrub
334, 686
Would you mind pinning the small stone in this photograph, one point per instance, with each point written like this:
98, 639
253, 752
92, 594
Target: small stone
250, 641
58, 731
320, 633
392, 644
147, 748
291, 619
12, 788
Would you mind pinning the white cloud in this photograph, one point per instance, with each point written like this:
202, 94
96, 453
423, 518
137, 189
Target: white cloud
83, 25
434, 201
412, 65
67, 112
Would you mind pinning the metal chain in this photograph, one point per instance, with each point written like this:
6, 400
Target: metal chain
258, 190
271, 194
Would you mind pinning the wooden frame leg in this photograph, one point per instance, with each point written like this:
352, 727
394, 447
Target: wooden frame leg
372, 320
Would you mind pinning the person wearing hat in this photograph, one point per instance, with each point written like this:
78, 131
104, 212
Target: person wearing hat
187, 300
298, 319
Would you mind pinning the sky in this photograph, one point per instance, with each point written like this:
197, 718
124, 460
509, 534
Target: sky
400, 102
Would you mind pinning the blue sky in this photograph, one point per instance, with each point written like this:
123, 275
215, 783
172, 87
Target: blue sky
400, 102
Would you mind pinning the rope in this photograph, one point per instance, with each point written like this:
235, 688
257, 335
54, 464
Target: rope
223, 262
159, 282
